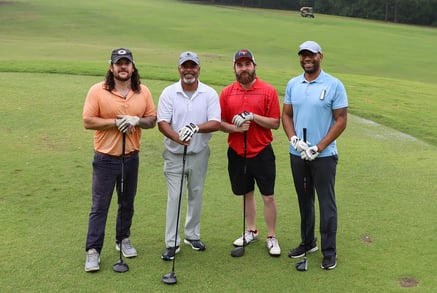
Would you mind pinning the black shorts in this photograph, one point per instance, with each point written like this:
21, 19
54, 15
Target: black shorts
260, 169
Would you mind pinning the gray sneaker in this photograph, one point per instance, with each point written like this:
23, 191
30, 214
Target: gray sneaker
127, 248
92, 262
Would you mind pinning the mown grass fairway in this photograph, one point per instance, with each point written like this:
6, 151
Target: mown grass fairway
51, 53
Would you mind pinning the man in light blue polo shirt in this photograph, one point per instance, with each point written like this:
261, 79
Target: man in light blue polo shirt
188, 111
314, 116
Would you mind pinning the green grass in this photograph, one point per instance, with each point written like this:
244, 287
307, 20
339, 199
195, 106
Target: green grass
53, 51
377, 61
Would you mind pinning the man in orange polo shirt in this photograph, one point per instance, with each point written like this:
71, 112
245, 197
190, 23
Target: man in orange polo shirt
118, 106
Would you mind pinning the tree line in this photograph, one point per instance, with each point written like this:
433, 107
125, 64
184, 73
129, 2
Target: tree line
419, 12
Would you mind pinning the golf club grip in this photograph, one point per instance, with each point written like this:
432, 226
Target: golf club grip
305, 135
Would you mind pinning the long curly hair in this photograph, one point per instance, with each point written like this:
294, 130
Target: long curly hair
135, 80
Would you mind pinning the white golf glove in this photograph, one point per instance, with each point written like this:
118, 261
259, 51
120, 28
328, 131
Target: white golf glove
293, 141
302, 146
123, 122
298, 144
187, 132
310, 154
239, 119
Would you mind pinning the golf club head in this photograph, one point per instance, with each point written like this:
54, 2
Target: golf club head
120, 266
302, 265
237, 251
169, 278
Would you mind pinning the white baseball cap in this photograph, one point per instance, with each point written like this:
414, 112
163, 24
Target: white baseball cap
310, 46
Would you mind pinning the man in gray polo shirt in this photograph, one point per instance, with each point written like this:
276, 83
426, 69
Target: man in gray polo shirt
188, 111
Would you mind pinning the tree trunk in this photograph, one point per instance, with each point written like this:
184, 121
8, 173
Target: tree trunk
386, 10
395, 18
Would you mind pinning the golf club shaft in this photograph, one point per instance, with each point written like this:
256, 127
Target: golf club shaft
244, 186
184, 156
123, 151
305, 164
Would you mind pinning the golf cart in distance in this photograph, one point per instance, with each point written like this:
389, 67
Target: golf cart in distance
306, 12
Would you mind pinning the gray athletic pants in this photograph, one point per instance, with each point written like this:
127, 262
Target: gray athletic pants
194, 178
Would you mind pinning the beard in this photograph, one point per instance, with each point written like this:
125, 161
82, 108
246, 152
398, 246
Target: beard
245, 77
119, 78
189, 80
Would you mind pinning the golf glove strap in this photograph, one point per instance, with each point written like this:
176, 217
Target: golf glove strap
239, 119
311, 153
187, 132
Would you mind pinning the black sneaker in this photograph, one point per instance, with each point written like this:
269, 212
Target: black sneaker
301, 250
329, 262
169, 253
195, 244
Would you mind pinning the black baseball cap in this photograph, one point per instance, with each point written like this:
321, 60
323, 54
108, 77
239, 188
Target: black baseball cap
121, 53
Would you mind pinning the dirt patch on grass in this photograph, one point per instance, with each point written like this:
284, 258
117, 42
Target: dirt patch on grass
408, 282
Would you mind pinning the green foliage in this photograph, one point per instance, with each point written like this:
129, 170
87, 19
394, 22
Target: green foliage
53, 51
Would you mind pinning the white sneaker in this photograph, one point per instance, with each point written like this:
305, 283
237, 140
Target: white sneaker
92, 262
273, 246
249, 235
127, 248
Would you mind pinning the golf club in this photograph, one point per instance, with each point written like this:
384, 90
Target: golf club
239, 251
303, 264
305, 164
170, 278
120, 266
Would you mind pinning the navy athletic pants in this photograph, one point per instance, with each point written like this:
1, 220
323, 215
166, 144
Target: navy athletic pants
106, 176
320, 177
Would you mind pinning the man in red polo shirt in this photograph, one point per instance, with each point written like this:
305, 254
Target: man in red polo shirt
250, 109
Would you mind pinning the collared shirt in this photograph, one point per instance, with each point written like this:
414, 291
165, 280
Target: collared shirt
313, 103
179, 109
105, 104
262, 99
